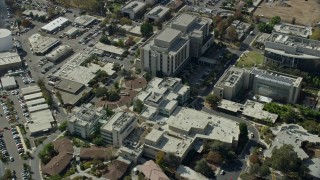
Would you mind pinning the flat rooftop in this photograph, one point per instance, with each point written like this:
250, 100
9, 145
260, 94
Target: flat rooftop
59, 52
41, 121
34, 12
302, 31
158, 11
168, 35
109, 48
134, 6
8, 81
36, 102
84, 20
41, 44
119, 120
294, 41
191, 122
51, 26
68, 86
184, 20
277, 77
294, 135
231, 77
178, 146
38, 108
30, 90
33, 96
7, 58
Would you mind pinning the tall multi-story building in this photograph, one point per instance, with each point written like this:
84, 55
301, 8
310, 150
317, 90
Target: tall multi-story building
84, 121
165, 53
198, 30
185, 36
278, 86
118, 128
293, 51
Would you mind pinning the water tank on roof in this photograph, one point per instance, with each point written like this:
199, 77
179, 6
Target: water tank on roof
5, 40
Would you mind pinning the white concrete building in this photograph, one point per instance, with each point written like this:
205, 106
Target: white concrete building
8, 83
9, 61
292, 29
84, 20
84, 121
156, 14
188, 129
166, 53
162, 96
198, 30
58, 54
118, 128
133, 9
54, 25
275, 85
40, 45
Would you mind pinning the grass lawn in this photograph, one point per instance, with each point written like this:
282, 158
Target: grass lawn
250, 59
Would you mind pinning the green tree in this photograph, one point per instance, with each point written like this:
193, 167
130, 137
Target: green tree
203, 168
138, 106
213, 100
47, 153
293, 21
160, 159
63, 126
243, 129
254, 158
264, 170
18, 21
275, 20
98, 141
116, 67
148, 76
255, 169
316, 34
104, 39
146, 29
7, 174
215, 157
113, 96
125, 20
232, 33
286, 160
101, 92
55, 177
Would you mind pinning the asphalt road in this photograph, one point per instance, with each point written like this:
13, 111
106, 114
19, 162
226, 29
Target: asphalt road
3, 12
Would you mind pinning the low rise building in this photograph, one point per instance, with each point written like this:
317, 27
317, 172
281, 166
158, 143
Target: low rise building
58, 54
241, 28
71, 91
72, 32
55, 25
30, 90
157, 14
151, 170
133, 9
163, 96
184, 172
33, 12
187, 129
275, 85
293, 51
251, 109
166, 53
85, 20
84, 121
42, 122
9, 61
118, 128
110, 49
8, 83
40, 45
292, 29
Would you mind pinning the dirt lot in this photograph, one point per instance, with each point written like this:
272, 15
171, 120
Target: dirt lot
305, 12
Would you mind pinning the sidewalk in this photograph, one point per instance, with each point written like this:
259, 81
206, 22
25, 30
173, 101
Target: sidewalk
22, 139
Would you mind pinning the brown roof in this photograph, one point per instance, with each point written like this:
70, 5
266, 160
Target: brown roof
136, 83
58, 163
124, 100
116, 170
152, 171
95, 153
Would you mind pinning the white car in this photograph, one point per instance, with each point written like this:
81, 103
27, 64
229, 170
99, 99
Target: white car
222, 172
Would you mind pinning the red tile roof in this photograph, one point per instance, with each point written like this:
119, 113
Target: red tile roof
152, 171
116, 170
